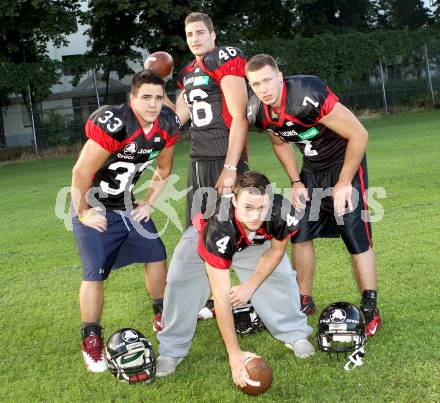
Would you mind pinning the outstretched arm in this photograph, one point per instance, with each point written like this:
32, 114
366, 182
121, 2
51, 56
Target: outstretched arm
270, 259
220, 282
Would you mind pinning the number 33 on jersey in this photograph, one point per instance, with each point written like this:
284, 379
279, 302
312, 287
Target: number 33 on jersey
117, 130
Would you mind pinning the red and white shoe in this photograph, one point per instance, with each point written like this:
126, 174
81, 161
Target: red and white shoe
157, 322
373, 325
93, 352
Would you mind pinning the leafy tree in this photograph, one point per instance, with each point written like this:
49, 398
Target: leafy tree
162, 27
402, 14
114, 29
26, 27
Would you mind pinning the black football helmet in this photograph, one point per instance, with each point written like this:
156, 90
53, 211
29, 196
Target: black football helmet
130, 356
246, 320
341, 328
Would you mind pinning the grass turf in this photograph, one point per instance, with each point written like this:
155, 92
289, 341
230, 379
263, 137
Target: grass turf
40, 275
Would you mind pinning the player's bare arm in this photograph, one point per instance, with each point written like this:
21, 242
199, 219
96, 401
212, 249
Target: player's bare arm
92, 157
285, 154
164, 166
270, 259
343, 122
182, 110
235, 93
220, 282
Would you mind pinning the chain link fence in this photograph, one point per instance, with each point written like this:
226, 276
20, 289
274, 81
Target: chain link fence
60, 119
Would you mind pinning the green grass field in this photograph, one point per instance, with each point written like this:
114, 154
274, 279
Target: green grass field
40, 275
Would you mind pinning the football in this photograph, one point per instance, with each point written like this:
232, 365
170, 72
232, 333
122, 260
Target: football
260, 376
161, 63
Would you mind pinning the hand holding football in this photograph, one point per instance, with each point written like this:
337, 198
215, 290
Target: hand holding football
161, 63
260, 376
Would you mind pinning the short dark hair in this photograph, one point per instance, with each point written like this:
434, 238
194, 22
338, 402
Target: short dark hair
254, 182
257, 62
145, 77
196, 16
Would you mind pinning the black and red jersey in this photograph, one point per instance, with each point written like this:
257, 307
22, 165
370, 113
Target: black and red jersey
117, 130
222, 235
210, 118
305, 100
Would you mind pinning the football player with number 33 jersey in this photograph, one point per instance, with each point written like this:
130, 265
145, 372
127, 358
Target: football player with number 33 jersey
333, 180
111, 228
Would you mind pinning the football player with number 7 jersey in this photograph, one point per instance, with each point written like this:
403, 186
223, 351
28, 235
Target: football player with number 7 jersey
333, 180
111, 228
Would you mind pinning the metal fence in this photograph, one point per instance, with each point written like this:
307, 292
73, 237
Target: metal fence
60, 120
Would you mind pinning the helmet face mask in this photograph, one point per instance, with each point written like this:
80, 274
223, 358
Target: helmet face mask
130, 356
341, 328
246, 320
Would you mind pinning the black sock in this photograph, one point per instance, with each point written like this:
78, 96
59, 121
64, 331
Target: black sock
369, 295
91, 329
157, 305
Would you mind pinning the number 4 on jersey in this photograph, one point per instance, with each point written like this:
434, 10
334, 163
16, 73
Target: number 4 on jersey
222, 244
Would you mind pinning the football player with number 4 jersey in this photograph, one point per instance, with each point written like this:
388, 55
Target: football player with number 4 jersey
113, 229
333, 181
251, 219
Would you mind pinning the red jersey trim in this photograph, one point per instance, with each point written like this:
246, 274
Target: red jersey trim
100, 136
328, 104
215, 261
241, 229
169, 141
291, 234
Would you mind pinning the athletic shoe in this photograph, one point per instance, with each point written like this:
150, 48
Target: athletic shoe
307, 305
372, 318
93, 351
157, 322
301, 348
207, 312
167, 365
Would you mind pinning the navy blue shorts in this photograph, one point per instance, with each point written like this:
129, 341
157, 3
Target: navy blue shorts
355, 229
125, 242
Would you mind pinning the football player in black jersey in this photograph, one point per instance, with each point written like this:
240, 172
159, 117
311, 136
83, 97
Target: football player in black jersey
111, 228
253, 219
213, 97
333, 180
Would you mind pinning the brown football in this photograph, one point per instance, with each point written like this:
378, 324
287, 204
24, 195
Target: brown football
260, 376
161, 63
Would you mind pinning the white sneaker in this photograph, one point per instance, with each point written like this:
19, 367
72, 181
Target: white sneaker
301, 348
167, 365
93, 352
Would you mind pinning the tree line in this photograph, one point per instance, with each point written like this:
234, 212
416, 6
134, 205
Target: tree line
117, 27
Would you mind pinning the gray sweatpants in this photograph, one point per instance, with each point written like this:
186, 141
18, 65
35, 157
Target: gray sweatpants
276, 301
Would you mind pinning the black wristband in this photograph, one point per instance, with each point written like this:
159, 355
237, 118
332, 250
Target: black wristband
293, 182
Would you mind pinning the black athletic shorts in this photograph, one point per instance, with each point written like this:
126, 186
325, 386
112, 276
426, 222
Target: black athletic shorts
354, 227
204, 174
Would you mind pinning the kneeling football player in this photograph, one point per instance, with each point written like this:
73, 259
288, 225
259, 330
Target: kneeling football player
111, 228
252, 216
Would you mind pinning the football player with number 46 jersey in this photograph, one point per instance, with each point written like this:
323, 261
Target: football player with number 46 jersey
113, 229
333, 181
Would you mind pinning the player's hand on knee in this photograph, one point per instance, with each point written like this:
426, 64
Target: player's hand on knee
238, 368
143, 211
240, 294
342, 198
226, 181
300, 195
94, 218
